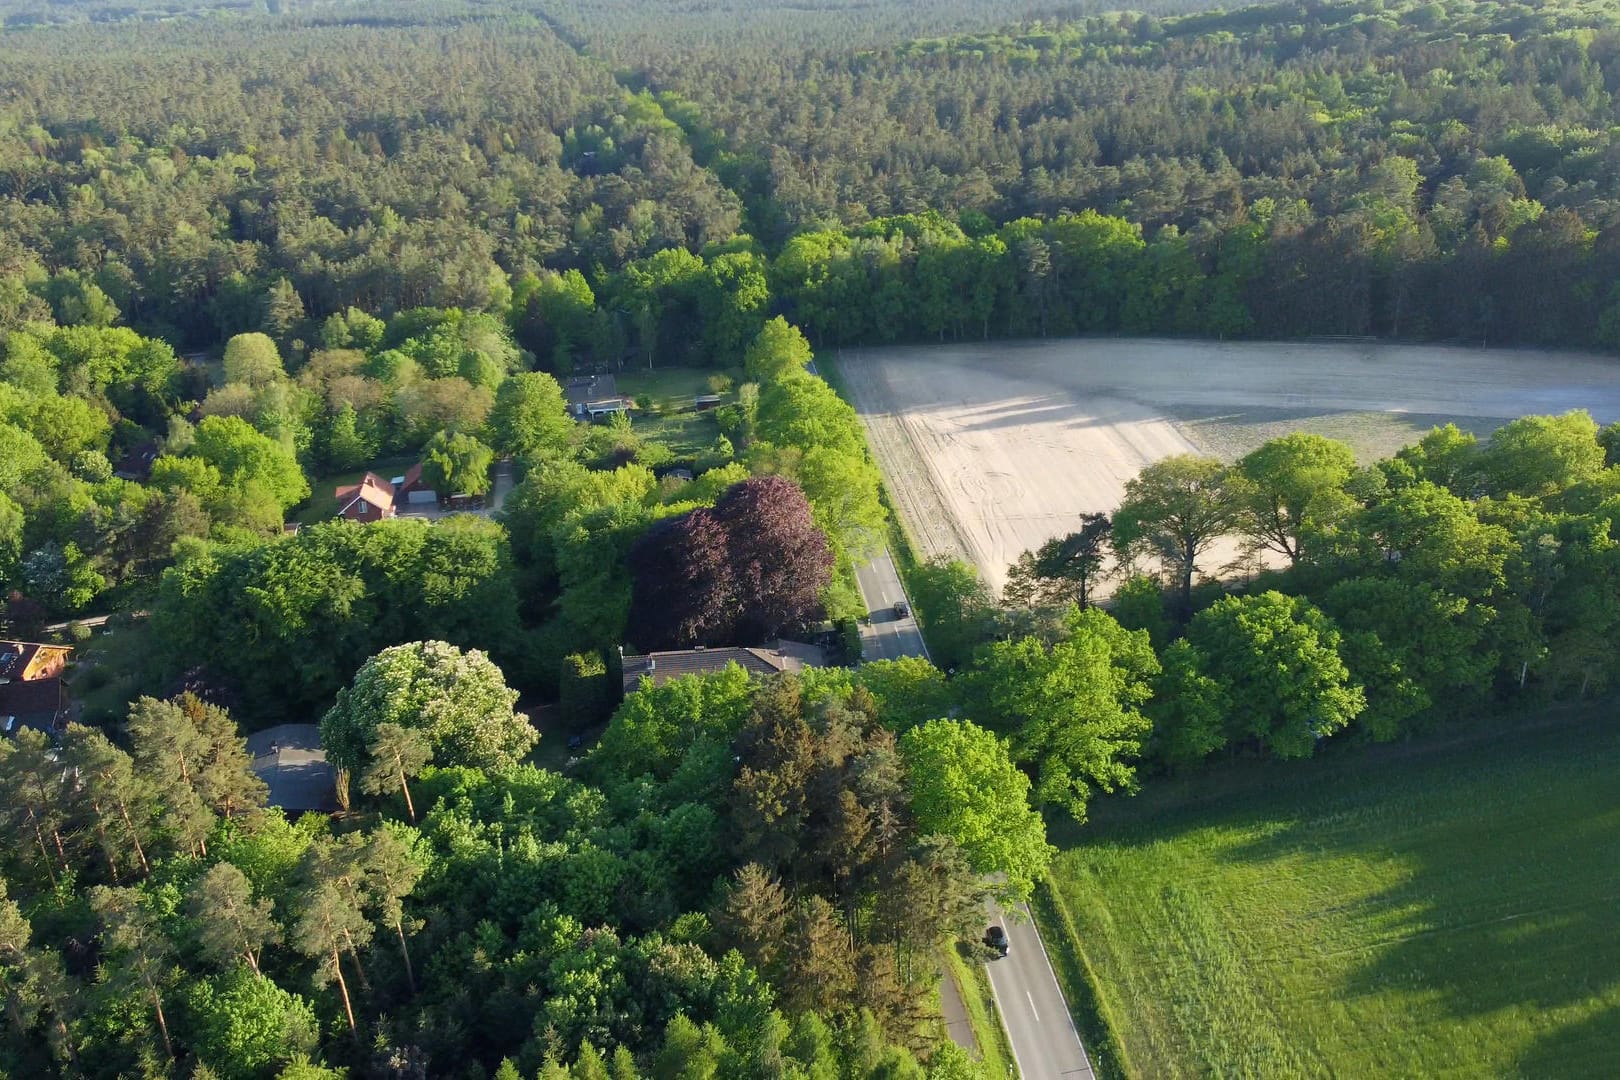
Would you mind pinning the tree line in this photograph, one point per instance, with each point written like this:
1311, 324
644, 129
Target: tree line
1415, 171
1368, 604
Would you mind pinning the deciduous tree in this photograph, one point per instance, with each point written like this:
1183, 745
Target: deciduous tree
1276, 657
530, 416
1174, 510
778, 352
1291, 487
1073, 709
964, 785
459, 700
455, 463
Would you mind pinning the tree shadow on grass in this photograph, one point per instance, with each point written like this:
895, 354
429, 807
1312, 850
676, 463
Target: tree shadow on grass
1110, 408
1507, 904
1588, 1047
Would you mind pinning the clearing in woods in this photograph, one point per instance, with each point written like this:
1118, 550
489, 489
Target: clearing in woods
1438, 910
992, 448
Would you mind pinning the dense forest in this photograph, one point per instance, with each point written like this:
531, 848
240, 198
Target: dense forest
1413, 171
247, 249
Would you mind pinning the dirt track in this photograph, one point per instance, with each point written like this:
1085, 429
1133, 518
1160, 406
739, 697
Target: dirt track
991, 449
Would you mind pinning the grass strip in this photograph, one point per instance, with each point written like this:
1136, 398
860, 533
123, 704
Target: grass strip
1081, 987
973, 981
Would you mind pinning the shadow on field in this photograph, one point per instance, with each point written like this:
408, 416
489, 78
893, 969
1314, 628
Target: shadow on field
1507, 907
1107, 407
1590, 1041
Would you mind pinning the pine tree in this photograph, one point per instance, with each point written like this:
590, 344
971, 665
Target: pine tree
820, 961
118, 801
230, 924
328, 923
32, 798
33, 983
755, 917
589, 1065
141, 955
397, 753
338, 866
392, 867
283, 312
169, 754
226, 782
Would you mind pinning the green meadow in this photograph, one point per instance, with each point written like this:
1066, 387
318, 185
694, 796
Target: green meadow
1444, 910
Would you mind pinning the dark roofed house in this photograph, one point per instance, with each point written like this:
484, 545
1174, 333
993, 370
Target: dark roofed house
591, 397
32, 691
661, 667
137, 464
372, 499
290, 761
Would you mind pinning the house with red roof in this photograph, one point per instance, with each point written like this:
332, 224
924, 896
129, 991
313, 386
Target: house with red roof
372, 499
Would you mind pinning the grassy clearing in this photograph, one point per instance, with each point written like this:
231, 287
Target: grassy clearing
688, 434
967, 968
1417, 914
674, 421
668, 386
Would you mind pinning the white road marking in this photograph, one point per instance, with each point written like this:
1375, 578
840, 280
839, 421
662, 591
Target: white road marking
1032, 1008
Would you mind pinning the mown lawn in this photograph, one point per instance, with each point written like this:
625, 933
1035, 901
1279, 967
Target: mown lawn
1451, 912
672, 385
688, 435
677, 424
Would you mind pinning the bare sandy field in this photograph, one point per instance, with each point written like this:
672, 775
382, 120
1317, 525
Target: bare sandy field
991, 449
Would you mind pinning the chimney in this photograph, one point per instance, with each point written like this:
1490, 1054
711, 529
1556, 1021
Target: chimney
652, 665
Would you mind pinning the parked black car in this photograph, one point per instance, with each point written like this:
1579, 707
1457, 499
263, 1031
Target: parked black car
996, 938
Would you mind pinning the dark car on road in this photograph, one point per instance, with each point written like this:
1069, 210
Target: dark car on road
901, 609
996, 938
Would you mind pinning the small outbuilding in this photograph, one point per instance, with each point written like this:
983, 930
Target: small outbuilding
591, 397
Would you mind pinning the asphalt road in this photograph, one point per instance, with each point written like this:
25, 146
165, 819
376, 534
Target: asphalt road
886, 636
1045, 1044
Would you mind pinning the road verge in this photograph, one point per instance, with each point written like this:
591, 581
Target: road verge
973, 982
1081, 988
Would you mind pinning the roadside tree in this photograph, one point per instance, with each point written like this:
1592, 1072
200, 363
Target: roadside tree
1276, 658
963, 784
1072, 710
